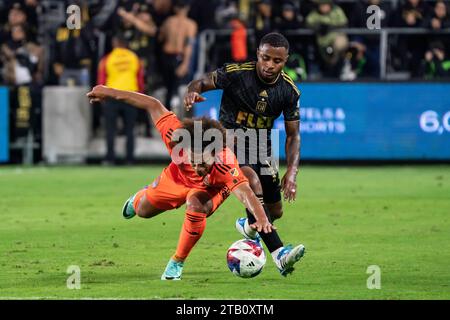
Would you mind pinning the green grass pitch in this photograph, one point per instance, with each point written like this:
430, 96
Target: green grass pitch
349, 218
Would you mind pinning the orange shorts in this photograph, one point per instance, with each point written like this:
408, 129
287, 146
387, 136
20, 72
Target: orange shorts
166, 194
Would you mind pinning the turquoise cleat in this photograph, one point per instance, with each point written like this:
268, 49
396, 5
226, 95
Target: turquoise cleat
128, 211
173, 270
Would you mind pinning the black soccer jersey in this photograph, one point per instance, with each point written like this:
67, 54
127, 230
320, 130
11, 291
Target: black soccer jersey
250, 103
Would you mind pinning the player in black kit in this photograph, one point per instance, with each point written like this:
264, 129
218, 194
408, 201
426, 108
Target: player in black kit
254, 95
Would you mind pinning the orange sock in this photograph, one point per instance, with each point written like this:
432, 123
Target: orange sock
192, 230
137, 199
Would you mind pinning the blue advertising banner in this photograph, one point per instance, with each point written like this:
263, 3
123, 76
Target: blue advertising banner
366, 121
4, 125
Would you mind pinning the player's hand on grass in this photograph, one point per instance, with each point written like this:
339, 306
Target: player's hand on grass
190, 98
289, 186
99, 94
263, 226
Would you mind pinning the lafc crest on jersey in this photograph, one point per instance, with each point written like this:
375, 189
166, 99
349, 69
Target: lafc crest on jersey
261, 105
234, 172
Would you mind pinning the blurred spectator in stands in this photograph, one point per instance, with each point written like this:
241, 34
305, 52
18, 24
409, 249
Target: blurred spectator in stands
239, 52
277, 11
160, 10
229, 17
177, 36
22, 59
226, 11
73, 55
120, 69
409, 49
130, 17
15, 15
306, 7
439, 18
296, 67
31, 7
263, 18
289, 18
140, 19
332, 44
20, 14
436, 64
140, 30
411, 14
368, 45
355, 62
202, 12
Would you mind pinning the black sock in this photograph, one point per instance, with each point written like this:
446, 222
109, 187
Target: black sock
271, 240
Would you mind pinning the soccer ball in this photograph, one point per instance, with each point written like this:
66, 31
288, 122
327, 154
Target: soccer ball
246, 258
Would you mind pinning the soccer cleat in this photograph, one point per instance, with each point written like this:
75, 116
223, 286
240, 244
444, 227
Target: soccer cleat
173, 270
128, 211
240, 227
287, 257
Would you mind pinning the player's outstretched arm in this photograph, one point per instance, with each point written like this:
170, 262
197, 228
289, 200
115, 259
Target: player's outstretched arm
153, 106
246, 195
195, 88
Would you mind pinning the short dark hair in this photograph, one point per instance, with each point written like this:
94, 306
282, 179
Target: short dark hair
181, 3
275, 39
17, 6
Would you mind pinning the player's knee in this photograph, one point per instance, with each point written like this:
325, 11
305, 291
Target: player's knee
255, 184
140, 212
276, 214
195, 205
276, 210
144, 209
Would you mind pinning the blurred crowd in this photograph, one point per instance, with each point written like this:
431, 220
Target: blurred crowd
155, 47
37, 47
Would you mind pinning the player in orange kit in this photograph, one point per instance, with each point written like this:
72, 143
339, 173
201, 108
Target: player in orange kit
198, 176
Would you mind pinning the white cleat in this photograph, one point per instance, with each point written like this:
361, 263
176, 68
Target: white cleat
289, 256
240, 227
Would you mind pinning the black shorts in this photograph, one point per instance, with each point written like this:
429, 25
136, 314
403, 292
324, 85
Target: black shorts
270, 183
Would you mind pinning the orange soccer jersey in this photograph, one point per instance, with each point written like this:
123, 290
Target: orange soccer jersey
177, 181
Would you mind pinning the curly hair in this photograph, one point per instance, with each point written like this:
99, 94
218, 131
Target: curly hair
192, 125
